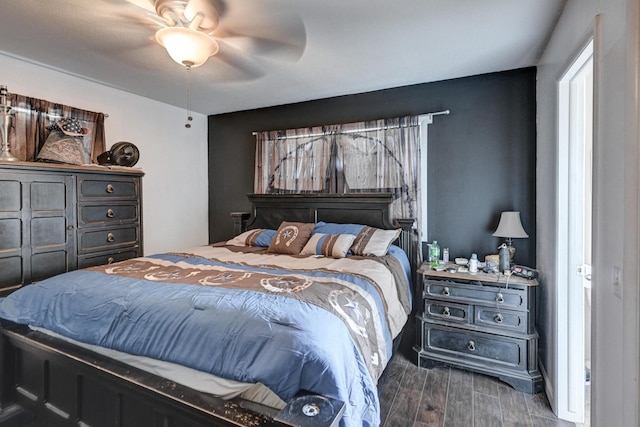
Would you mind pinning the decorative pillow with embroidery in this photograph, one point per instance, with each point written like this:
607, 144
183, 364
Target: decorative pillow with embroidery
261, 237
333, 245
61, 148
372, 241
291, 238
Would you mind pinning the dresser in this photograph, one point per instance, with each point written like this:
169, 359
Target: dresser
479, 322
57, 218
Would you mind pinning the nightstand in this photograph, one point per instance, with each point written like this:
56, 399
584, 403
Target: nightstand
479, 322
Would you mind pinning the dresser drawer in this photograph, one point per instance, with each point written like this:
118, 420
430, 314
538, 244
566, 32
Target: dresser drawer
477, 294
107, 188
475, 347
106, 258
448, 312
105, 239
108, 214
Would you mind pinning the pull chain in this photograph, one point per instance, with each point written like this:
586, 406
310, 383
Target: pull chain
189, 117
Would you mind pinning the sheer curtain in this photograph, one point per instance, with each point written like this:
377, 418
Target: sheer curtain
293, 161
31, 116
372, 156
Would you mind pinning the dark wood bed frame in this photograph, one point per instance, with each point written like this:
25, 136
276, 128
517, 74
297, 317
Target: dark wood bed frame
61, 384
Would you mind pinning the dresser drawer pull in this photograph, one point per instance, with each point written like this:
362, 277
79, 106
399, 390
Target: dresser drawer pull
110, 260
445, 291
500, 298
446, 311
471, 346
110, 213
110, 188
111, 237
498, 318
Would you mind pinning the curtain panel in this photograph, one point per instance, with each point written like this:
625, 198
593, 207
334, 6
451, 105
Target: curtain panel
369, 156
31, 116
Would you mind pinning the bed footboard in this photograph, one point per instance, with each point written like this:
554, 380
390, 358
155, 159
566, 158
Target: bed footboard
65, 385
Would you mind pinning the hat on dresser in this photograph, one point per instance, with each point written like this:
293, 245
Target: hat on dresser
69, 126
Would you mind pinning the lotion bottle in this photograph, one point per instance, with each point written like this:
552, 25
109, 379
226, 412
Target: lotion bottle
473, 263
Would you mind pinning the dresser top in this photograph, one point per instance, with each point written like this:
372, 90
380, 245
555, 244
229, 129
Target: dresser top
60, 167
480, 276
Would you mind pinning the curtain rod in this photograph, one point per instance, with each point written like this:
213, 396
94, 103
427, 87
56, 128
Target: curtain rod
436, 113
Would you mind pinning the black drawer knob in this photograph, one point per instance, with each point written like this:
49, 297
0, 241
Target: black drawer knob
471, 346
110, 213
111, 237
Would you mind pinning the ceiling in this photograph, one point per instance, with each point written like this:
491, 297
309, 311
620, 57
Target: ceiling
276, 52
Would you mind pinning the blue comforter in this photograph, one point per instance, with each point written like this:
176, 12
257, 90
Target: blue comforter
168, 307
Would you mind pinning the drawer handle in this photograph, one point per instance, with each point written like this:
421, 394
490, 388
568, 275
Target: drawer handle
111, 237
110, 260
445, 291
498, 318
110, 213
110, 188
446, 311
471, 346
500, 298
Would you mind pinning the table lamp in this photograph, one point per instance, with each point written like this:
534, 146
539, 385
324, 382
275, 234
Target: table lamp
510, 228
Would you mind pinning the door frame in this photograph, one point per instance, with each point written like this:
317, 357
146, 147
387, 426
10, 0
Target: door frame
570, 356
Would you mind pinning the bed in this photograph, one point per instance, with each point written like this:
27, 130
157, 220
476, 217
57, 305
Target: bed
244, 311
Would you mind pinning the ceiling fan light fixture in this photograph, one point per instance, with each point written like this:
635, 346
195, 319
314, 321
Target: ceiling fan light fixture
186, 46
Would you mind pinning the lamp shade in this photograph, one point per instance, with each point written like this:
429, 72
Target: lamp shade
186, 46
510, 226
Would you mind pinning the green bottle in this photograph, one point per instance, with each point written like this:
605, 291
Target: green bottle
434, 254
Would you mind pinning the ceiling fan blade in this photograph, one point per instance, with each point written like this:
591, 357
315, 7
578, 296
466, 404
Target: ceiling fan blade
267, 31
144, 4
232, 64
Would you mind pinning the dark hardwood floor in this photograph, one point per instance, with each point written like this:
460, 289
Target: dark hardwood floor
448, 397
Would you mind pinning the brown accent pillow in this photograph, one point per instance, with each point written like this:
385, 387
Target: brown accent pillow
291, 238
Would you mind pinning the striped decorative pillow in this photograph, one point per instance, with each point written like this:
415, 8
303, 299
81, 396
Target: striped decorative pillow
332, 245
374, 241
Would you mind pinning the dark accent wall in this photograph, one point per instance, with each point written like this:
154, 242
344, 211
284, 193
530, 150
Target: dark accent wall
481, 157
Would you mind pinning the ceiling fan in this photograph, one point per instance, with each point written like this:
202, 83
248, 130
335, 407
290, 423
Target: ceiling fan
194, 30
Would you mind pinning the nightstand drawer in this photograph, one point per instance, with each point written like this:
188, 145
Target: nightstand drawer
475, 347
501, 320
107, 214
475, 293
105, 239
107, 188
448, 312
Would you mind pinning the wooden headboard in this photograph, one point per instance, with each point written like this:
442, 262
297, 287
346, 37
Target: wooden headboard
372, 209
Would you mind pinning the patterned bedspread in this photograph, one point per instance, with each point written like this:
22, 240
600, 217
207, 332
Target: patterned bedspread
290, 322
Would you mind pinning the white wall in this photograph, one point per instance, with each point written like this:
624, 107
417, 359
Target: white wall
174, 159
616, 218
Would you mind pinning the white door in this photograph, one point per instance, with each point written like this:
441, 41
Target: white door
575, 125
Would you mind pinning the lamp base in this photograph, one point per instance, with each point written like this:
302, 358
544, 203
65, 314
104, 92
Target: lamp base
512, 253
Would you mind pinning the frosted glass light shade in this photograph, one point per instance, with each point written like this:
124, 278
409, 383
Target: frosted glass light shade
186, 46
510, 226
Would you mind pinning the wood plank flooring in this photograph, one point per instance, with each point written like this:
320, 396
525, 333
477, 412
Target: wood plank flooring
449, 397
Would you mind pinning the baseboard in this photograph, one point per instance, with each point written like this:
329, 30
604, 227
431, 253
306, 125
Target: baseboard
548, 387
